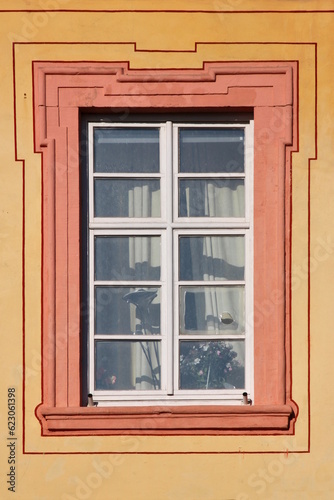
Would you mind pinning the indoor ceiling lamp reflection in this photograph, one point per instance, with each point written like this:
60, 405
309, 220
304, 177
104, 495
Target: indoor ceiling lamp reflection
142, 299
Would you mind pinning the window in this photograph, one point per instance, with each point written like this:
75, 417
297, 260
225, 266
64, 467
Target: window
192, 104
170, 261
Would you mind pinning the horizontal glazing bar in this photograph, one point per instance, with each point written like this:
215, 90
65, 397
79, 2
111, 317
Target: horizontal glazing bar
210, 337
130, 338
212, 284
208, 175
156, 224
106, 175
128, 283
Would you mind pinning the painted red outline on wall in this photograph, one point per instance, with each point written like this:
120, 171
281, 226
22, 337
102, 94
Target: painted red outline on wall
23, 160
177, 11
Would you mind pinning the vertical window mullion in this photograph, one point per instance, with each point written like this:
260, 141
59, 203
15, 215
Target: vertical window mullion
90, 174
249, 337
91, 335
91, 273
176, 260
249, 161
169, 256
165, 322
176, 163
249, 257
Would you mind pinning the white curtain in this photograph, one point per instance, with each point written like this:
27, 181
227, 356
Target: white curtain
144, 258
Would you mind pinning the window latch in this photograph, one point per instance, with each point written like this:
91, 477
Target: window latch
245, 399
90, 401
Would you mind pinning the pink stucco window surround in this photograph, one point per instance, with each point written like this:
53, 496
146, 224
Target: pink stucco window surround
61, 91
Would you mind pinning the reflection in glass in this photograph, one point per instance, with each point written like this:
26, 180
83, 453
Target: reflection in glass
211, 198
126, 198
212, 365
126, 150
212, 258
127, 365
206, 309
204, 150
118, 312
127, 258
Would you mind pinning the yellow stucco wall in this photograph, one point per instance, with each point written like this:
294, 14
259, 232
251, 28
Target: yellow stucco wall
189, 468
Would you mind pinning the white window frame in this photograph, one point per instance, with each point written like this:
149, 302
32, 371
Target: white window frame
169, 226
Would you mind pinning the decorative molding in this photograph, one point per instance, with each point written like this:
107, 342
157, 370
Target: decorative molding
61, 91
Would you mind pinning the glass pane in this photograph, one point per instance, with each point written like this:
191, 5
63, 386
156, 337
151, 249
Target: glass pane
127, 311
127, 366
210, 309
131, 150
211, 198
212, 365
126, 198
127, 258
212, 258
204, 150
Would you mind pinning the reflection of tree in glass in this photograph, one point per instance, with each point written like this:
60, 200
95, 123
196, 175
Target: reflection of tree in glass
210, 365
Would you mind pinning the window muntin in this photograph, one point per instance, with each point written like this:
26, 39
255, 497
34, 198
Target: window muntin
208, 189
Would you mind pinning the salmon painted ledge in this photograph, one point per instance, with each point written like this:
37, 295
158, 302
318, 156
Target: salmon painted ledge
152, 420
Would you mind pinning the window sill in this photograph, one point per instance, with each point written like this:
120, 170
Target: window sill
205, 420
